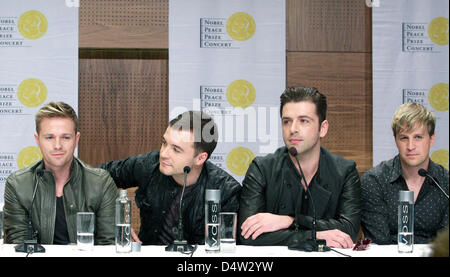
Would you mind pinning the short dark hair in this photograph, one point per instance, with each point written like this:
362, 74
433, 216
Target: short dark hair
300, 94
202, 126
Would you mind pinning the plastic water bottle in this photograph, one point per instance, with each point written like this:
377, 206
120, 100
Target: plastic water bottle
212, 230
405, 221
123, 223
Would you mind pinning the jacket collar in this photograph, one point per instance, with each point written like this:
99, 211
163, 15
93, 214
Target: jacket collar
320, 190
74, 172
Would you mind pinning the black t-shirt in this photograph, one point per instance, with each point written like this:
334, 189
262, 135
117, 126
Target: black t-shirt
61, 234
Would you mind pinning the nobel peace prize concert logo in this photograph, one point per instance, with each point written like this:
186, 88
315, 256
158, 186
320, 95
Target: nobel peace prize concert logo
223, 99
15, 98
238, 160
15, 30
436, 97
226, 33
32, 24
440, 157
425, 37
32, 92
28, 156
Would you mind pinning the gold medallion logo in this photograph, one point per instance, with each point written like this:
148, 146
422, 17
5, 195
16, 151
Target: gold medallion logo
440, 157
438, 97
241, 94
238, 160
28, 156
32, 24
438, 30
241, 26
32, 92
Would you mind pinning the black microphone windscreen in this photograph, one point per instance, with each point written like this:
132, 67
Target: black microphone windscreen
187, 169
293, 151
40, 172
422, 172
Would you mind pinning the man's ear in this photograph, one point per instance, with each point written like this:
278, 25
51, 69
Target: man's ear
201, 158
323, 128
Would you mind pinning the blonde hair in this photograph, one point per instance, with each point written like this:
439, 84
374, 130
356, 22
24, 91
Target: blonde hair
410, 114
56, 109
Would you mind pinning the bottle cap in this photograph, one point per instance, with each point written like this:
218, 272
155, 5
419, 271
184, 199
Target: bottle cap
123, 193
406, 196
212, 194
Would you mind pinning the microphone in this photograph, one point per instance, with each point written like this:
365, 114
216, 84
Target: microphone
422, 172
313, 244
179, 244
31, 246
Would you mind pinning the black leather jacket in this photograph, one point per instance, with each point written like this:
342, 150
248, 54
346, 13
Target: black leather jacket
272, 185
156, 194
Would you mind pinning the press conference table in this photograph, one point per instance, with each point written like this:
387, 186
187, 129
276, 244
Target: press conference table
420, 250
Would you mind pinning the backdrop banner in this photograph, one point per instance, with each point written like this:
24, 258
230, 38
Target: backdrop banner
410, 64
227, 58
38, 64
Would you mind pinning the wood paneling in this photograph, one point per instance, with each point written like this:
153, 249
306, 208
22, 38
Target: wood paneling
328, 26
123, 107
345, 78
124, 24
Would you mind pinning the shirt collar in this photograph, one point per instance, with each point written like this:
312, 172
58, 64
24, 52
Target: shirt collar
397, 169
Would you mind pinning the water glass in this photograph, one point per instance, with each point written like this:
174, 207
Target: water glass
85, 230
228, 222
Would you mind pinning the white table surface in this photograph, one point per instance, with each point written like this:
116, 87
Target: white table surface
420, 250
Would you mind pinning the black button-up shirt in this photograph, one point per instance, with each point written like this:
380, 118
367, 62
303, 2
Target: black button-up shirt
379, 191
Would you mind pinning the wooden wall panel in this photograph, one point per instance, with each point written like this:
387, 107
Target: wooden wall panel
123, 110
345, 78
124, 24
328, 26
123, 107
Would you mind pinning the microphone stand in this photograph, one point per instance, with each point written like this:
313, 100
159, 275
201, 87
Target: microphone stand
422, 172
313, 244
31, 246
180, 244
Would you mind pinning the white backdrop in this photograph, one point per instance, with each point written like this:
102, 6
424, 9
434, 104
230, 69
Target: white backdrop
410, 63
227, 58
38, 64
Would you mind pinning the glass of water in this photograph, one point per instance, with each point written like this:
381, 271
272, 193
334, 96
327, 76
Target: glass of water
228, 232
85, 231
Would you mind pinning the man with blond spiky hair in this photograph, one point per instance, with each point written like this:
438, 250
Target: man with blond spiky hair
60, 184
413, 127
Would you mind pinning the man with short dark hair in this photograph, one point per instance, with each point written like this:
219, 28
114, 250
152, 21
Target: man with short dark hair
274, 207
189, 140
